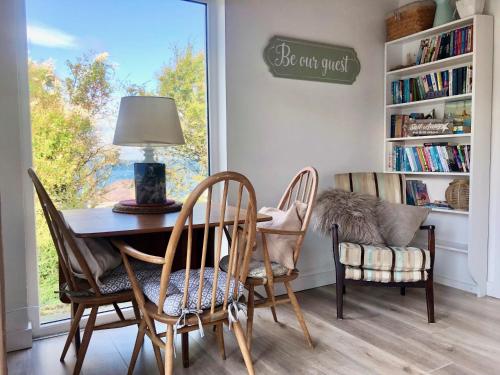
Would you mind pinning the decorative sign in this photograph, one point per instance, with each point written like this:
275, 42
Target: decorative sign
311, 61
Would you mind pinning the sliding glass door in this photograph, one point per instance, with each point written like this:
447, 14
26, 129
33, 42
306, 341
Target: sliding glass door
84, 55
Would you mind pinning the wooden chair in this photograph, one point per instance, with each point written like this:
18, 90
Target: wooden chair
81, 293
390, 187
184, 300
303, 188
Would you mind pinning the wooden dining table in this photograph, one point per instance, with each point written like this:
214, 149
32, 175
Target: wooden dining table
150, 233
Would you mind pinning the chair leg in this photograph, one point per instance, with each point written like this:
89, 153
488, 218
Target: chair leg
137, 312
75, 327
137, 347
402, 291
344, 290
169, 351
118, 312
156, 349
429, 296
273, 308
219, 331
250, 312
185, 349
340, 295
78, 341
298, 313
89, 329
240, 337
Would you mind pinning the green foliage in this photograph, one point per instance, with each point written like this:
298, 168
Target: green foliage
185, 81
89, 84
67, 154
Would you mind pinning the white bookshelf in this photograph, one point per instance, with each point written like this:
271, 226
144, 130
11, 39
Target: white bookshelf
464, 230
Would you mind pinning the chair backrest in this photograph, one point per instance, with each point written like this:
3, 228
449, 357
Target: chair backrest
64, 241
390, 187
205, 215
303, 187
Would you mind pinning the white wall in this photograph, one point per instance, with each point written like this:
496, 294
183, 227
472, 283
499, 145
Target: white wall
277, 126
13, 117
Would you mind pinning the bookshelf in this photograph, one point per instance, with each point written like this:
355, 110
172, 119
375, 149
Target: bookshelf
457, 229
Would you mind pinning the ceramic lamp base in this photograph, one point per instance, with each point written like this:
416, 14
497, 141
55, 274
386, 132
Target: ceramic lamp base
149, 183
132, 207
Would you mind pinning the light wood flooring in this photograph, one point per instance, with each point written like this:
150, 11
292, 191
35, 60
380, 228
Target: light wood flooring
382, 333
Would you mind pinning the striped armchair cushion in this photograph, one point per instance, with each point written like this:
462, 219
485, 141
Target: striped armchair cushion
386, 186
355, 273
385, 258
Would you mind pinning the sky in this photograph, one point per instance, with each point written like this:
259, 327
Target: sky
138, 35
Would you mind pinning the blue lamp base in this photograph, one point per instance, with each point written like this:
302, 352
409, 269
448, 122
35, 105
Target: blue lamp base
150, 183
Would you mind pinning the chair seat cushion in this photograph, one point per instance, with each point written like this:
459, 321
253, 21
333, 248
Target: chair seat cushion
117, 280
385, 258
356, 273
173, 302
256, 268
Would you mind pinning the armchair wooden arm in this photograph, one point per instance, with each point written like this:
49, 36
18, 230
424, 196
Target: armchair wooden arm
130, 251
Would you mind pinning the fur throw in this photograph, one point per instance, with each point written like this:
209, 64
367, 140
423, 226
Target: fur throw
355, 214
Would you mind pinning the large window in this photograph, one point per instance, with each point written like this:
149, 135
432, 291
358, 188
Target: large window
84, 55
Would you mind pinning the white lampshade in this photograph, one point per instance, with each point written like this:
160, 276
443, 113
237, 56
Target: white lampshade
145, 121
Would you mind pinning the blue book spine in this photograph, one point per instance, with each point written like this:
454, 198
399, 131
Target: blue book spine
418, 165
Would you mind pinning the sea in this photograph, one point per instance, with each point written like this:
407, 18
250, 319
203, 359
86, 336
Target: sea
190, 172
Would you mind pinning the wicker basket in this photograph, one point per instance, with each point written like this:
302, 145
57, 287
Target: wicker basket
410, 19
457, 194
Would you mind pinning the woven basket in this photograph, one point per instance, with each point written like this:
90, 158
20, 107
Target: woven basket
457, 194
410, 19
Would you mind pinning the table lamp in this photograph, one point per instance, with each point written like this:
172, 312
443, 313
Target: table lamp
148, 122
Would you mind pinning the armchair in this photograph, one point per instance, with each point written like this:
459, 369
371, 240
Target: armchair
348, 272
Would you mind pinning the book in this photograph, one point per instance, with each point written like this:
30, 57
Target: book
416, 193
455, 81
431, 157
445, 45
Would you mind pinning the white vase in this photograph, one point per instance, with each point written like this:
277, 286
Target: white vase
467, 8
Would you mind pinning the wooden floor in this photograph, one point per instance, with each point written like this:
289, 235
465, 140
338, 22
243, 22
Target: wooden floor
382, 333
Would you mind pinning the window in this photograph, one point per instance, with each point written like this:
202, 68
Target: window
84, 55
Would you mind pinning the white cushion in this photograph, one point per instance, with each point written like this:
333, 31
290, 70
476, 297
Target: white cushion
280, 247
175, 292
100, 255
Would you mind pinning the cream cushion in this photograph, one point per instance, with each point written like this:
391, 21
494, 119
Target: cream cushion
100, 255
280, 247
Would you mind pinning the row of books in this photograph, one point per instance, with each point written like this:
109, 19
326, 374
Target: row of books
442, 46
431, 157
398, 125
434, 85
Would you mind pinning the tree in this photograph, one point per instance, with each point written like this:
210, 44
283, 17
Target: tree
67, 155
89, 83
185, 82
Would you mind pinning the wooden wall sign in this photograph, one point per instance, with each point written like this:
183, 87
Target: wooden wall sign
311, 61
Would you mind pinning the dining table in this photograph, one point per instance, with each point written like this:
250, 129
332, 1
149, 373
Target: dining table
150, 233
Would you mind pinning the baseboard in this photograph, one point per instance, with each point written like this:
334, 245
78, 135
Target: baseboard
457, 284
307, 280
312, 279
493, 289
19, 333
19, 339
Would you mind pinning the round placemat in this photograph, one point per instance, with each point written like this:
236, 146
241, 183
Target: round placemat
131, 207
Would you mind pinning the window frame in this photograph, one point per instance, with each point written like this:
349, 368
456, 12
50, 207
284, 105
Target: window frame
216, 117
